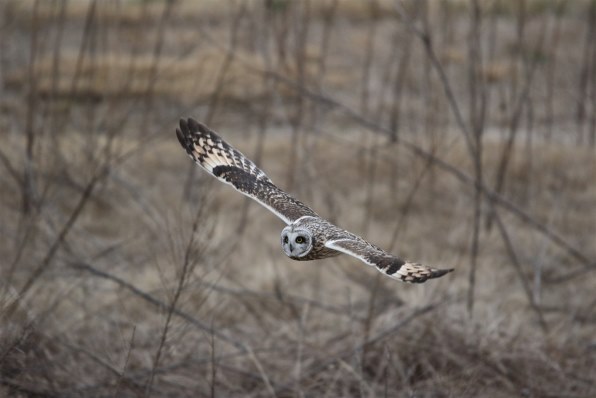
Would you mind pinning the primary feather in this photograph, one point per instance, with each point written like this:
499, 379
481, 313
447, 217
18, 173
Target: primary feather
230, 166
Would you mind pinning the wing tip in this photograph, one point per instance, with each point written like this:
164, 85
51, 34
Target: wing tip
182, 138
189, 128
184, 127
437, 273
418, 273
194, 125
190, 125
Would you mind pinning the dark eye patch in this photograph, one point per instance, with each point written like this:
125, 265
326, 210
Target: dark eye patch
285, 239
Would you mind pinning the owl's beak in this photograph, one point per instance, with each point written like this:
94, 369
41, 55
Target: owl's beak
291, 249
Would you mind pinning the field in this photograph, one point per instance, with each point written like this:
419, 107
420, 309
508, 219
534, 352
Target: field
454, 133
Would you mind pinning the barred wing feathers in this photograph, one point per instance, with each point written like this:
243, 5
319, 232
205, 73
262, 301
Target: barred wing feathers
230, 166
386, 263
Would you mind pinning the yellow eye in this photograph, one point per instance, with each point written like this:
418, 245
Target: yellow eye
285, 239
300, 239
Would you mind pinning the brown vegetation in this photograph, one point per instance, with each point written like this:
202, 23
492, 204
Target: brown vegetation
456, 133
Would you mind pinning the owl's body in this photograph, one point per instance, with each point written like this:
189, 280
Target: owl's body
307, 236
322, 231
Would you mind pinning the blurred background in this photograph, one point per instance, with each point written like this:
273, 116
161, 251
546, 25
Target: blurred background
454, 133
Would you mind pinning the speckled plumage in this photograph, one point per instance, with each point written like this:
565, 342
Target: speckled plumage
321, 238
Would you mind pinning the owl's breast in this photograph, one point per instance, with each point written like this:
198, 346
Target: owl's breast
318, 251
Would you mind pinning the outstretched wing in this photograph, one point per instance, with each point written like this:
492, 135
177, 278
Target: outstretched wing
386, 263
228, 165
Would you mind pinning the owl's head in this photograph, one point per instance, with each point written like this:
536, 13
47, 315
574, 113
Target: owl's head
296, 241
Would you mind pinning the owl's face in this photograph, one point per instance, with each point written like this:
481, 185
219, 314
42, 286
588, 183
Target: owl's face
296, 242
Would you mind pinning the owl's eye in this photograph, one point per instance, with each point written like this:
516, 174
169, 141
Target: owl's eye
285, 239
300, 239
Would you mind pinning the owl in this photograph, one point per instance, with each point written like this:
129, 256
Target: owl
307, 236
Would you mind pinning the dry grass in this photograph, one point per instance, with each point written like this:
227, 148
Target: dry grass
117, 76
119, 279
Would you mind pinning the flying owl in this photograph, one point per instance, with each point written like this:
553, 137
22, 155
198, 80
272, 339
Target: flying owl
307, 236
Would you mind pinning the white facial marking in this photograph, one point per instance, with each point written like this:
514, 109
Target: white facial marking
296, 242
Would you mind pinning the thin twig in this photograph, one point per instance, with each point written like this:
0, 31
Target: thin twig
514, 124
519, 271
66, 228
122, 374
28, 179
215, 97
478, 100
187, 268
160, 304
428, 46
